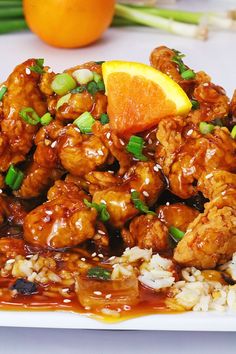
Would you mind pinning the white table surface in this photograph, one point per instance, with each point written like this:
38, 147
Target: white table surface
217, 56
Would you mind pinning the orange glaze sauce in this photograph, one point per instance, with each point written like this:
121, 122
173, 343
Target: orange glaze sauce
149, 303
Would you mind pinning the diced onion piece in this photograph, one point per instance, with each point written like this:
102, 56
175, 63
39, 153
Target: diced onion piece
83, 76
100, 293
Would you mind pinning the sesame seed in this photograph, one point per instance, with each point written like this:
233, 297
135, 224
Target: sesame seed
87, 308
167, 203
146, 194
99, 293
112, 172
100, 255
205, 84
10, 261
108, 296
157, 167
66, 300
100, 153
108, 135
122, 142
132, 190
223, 193
209, 175
190, 132
48, 212
112, 258
101, 232
103, 201
149, 141
83, 259
53, 144
94, 254
27, 71
50, 70
147, 180
65, 290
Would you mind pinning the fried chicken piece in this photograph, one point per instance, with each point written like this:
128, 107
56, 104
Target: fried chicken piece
216, 183
177, 215
101, 180
116, 147
3, 209
37, 180
80, 153
12, 210
161, 59
146, 231
213, 103
78, 102
211, 238
143, 178
16, 136
62, 221
233, 105
184, 154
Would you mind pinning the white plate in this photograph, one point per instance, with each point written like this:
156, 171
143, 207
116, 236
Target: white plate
217, 57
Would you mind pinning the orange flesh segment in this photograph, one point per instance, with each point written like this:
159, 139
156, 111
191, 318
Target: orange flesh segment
135, 103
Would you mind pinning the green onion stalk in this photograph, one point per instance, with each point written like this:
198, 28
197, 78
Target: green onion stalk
169, 25
224, 20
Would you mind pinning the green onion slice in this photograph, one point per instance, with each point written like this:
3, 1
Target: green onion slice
46, 119
92, 87
206, 128
85, 122
135, 147
188, 74
176, 233
63, 83
29, 115
177, 59
195, 104
104, 119
79, 89
233, 132
14, 178
139, 204
99, 273
62, 100
2, 92
96, 77
101, 209
38, 67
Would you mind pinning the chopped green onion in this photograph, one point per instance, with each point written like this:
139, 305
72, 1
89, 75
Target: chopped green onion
139, 204
85, 122
188, 74
38, 67
195, 104
46, 119
101, 209
100, 86
135, 147
104, 119
176, 233
177, 59
233, 132
206, 128
79, 89
14, 178
92, 88
29, 115
2, 92
220, 122
62, 100
83, 76
63, 83
96, 77
99, 273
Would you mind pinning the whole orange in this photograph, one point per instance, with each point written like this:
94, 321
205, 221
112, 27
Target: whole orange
69, 23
